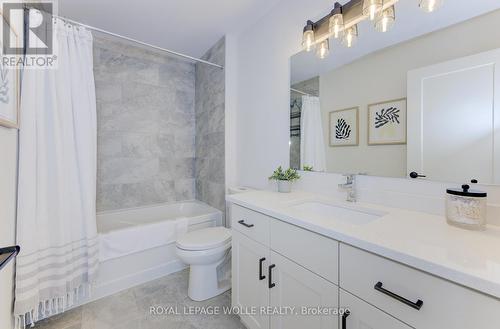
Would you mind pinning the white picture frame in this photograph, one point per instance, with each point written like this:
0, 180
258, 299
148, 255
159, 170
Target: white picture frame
344, 127
387, 122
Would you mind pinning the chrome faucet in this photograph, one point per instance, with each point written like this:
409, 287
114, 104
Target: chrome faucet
350, 187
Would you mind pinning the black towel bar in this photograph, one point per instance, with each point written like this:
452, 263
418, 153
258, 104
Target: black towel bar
8, 253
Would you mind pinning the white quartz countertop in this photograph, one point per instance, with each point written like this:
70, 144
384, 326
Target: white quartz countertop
416, 239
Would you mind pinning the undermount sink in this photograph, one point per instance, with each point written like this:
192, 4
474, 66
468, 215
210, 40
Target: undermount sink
353, 216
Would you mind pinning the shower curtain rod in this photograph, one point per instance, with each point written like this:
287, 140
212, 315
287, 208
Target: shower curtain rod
302, 92
199, 60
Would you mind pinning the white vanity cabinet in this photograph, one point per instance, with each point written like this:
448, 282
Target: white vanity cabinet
277, 264
249, 280
365, 316
415, 297
297, 287
263, 277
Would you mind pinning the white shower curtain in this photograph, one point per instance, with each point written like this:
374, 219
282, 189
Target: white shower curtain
56, 222
312, 144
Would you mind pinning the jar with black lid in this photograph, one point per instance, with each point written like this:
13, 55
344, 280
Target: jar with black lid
466, 208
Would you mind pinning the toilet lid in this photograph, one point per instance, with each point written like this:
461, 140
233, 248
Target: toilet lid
207, 238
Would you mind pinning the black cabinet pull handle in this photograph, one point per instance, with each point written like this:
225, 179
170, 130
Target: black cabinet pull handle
270, 272
261, 276
344, 319
417, 305
242, 222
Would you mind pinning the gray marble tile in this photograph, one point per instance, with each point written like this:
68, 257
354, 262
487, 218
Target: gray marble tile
107, 111
160, 125
109, 144
210, 122
127, 170
146, 124
185, 189
177, 75
68, 320
109, 196
128, 119
216, 120
216, 168
148, 145
201, 168
111, 312
184, 168
148, 192
108, 91
130, 309
184, 143
202, 127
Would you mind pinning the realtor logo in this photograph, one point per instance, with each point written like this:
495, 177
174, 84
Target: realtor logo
37, 38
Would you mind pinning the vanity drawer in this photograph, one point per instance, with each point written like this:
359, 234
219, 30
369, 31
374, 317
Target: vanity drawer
364, 316
315, 252
444, 304
251, 223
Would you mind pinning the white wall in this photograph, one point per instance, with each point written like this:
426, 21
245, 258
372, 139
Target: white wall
8, 180
381, 76
263, 82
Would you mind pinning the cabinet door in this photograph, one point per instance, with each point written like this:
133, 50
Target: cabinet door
364, 316
250, 291
296, 287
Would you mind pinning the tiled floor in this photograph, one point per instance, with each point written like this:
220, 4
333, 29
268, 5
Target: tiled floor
130, 309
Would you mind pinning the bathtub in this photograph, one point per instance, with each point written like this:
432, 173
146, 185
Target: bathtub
137, 245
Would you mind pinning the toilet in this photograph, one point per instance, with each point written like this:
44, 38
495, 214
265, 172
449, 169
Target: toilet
204, 250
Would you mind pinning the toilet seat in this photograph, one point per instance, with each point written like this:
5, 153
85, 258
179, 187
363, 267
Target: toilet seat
204, 239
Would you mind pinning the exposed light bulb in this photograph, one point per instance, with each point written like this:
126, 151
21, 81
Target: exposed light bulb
323, 49
350, 36
336, 21
308, 37
336, 26
385, 21
430, 5
308, 40
373, 11
372, 7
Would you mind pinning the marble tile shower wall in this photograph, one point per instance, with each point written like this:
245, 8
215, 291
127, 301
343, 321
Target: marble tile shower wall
210, 124
146, 126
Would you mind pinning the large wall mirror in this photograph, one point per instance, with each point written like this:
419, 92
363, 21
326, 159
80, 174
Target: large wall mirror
421, 98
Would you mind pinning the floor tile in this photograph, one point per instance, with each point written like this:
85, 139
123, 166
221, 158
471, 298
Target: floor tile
130, 309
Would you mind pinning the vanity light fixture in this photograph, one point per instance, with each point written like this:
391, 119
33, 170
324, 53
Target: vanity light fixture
342, 22
323, 49
372, 7
336, 21
350, 36
308, 36
385, 20
430, 6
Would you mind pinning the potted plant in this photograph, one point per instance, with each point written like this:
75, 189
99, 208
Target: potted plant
307, 168
285, 178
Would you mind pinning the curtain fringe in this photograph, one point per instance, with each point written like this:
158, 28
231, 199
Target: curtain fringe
53, 306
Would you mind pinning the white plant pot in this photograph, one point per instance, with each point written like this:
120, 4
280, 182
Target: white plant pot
284, 186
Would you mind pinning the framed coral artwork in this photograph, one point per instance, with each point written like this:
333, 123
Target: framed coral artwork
387, 122
344, 130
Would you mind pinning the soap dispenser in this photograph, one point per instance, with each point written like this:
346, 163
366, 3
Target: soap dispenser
466, 208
